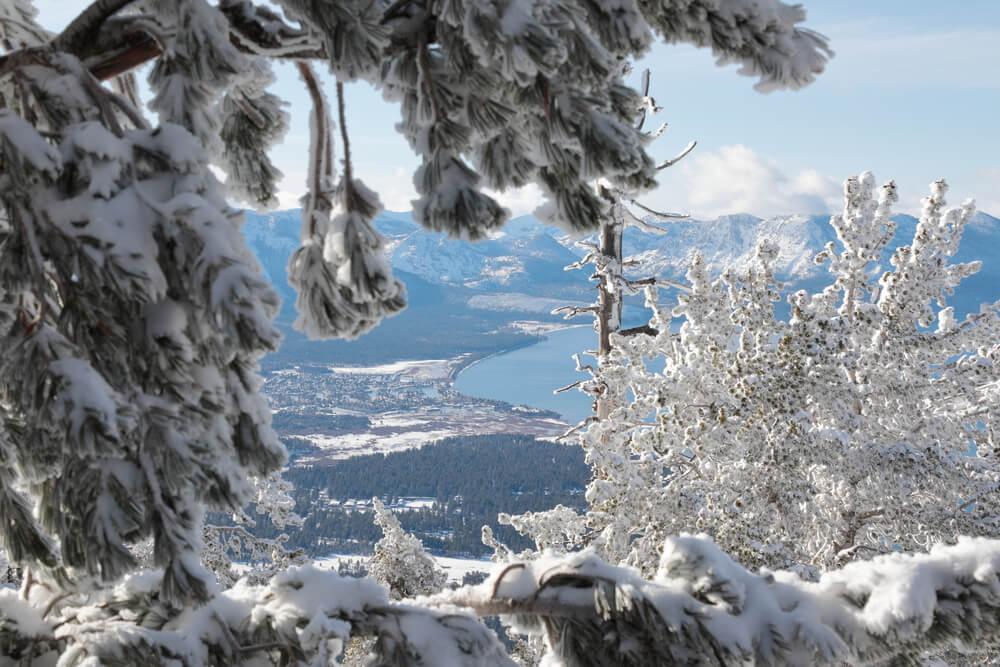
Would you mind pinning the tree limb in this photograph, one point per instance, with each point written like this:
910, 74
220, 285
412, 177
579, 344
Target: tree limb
85, 26
677, 158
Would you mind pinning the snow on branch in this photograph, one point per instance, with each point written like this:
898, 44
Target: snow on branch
344, 282
301, 616
699, 607
761, 35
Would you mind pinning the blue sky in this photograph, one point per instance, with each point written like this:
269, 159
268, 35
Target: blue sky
912, 94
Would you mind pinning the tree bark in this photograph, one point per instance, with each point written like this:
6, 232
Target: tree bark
609, 310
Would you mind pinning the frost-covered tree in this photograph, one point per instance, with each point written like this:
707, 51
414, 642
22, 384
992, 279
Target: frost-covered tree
604, 253
863, 422
699, 607
399, 560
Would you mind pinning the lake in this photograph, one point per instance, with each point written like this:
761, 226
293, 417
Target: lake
528, 376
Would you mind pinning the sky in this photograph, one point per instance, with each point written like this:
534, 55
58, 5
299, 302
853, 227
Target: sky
912, 94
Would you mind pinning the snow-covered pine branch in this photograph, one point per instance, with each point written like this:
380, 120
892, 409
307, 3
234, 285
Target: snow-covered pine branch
133, 319
699, 607
490, 97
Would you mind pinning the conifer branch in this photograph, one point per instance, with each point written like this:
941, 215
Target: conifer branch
348, 178
85, 26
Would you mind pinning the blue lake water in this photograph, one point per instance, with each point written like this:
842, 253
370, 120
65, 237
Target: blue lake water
529, 375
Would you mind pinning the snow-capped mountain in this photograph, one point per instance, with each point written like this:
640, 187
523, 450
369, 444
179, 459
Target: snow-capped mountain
526, 258
732, 239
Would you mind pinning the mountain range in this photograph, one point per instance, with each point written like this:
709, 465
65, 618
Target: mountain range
465, 293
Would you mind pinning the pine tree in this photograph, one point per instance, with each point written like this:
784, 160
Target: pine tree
400, 561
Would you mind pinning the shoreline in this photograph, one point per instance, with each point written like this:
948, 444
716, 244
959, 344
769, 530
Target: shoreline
469, 363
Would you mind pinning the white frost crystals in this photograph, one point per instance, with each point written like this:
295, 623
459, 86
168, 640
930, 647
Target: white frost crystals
853, 426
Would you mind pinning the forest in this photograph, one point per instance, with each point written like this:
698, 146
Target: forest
472, 479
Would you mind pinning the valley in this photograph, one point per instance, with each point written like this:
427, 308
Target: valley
366, 410
329, 412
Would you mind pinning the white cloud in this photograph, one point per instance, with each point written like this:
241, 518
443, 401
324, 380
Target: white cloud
520, 201
736, 179
394, 188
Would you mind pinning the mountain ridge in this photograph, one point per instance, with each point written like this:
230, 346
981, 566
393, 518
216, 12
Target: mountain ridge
467, 297
527, 257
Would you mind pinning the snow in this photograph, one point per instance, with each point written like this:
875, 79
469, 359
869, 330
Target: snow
357, 444
393, 420
403, 504
455, 568
428, 369
395, 431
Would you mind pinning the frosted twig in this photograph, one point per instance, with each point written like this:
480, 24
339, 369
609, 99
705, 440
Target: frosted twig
677, 158
659, 214
658, 131
573, 311
658, 282
348, 182
578, 427
320, 150
646, 102
568, 387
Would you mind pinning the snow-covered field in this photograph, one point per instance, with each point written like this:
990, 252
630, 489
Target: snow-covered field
356, 444
394, 432
427, 369
401, 505
456, 568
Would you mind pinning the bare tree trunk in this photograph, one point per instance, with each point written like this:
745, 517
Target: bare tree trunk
609, 311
